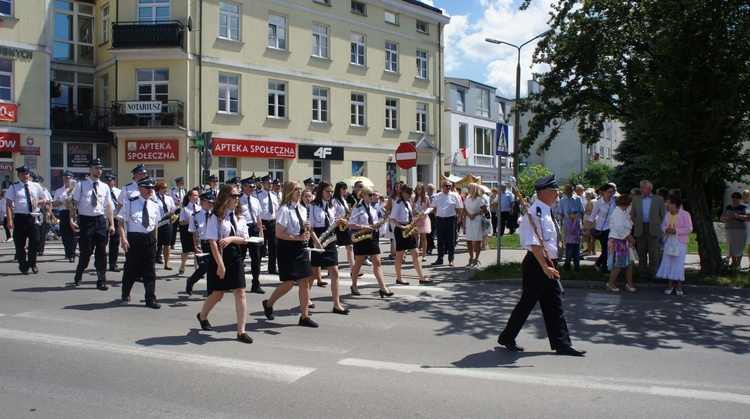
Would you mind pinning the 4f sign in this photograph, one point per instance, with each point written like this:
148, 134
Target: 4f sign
502, 140
323, 152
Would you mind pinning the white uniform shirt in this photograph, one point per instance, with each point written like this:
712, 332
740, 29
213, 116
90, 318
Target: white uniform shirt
340, 207
82, 195
186, 213
127, 192
287, 217
131, 214
61, 195
359, 215
400, 212
217, 230
115, 195
250, 208
17, 194
546, 226
167, 200
177, 194
265, 214
199, 222
318, 215
446, 205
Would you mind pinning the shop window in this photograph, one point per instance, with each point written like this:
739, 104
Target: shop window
276, 169
227, 168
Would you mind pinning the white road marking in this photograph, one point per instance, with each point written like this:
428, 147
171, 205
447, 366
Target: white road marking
41, 315
590, 383
274, 372
2, 314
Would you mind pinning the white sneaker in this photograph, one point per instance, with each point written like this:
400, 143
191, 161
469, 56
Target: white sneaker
368, 263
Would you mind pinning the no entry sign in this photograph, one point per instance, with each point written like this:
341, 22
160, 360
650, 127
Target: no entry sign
406, 156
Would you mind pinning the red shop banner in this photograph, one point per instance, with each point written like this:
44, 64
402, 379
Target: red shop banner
152, 150
8, 112
250, 148
10, 142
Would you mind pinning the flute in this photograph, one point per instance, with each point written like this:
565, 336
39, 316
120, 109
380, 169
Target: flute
538, 236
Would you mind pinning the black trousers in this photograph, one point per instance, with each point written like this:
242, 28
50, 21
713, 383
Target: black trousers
5, 226
140, 262
67, 233
114, 246
538, 287
253, 250
43, 229
601, 261
505, 222
202, 267
446, 236
92, 238
269, 236
24, 229
494, 223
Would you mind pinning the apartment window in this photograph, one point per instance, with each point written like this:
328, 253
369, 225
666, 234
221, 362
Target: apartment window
153, 85
229, 21
276, 169
105, 90
229, 93
105, 24
358, 49
6, 7
391, 57
358, 110
73, 33
589, 150
483, 146
320, 41
463, 136
359, 8
276, 99
277, 31
153, 11
320, 104
318, 171
460, 101
391, 113
422, 64
6, 80
423, 27
483, 103
391, 17
155, 171
76, 90
227, 168
421, 117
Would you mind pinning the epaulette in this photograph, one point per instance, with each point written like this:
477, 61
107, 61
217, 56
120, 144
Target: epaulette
17, 182
154, 199
128, 184
134, 198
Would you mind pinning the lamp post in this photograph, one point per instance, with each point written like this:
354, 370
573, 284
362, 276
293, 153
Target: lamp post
517, 121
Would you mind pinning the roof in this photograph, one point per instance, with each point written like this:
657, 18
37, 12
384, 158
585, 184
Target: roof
422, 5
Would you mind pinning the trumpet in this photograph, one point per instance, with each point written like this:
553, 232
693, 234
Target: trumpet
345, 225
412, 228
366, 235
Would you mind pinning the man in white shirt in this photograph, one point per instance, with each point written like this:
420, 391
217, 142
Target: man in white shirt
448, 206
177, 193
61, 201
114, 239
22, 199
251, 213
269, 205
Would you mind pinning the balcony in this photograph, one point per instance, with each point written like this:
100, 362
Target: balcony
74, 118
139, 40
171, 116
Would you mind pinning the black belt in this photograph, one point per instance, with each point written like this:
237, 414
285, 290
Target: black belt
268, 221
452, 216
205, 241
645, 224
137, 234
22, 214
92, 216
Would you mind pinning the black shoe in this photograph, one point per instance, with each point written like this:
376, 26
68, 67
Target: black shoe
361, 274
273, 272
244, 338
403, 282
571, 351
78, 281
437, 262
311, 306
307, 322
25, 271
341, 311
322, 284
257, 290
511, 346
34, 270
205, 325
159, 261
426, 281
113, 268
101, 285
268, 311
354, 292
72, 259
153, 304
126, 299
384, 294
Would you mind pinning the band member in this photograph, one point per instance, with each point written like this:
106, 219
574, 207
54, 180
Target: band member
197, 226
131, 189
364, 218
323, 217
177, 193
310, 186
114, 240
45, 209
213, 182
269, 205
402, 220
22, 198
61, 201
165, 231
226, 231
138, 219
277, 188
539, 276
293, 232
341, 207
187, 242
251, 213
93, 199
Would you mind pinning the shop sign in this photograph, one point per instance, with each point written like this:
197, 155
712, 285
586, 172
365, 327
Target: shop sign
6, 169
31, 151
16, 53
152, 150
79, 155
8, 112
143, 107
10, 142
319, 152
250, 148
31, 162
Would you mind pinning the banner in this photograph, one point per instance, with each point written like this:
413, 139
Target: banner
152, 150
10, 142
252, 148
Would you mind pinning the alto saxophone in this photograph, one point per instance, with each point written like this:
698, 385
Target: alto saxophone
412, 228
366, 235
345, 226
324, 238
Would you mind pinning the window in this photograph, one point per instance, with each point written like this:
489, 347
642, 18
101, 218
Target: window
358, 110
391, 17
229, 93
76, 90
318, 171
276, 31
320, 104
483, 146
155, 171
589, 150
483, 103
6, 7
391, 57
227, 168
358, 49
229, 21
320, 41
359, 8
105, 24
153, 11
463, 135
422, 64
421, 117
423, 27
423, 173
391, 114
152, 85
73, 33
460, 100
327, 2
105, 90
276, 99
276, 169
6, 80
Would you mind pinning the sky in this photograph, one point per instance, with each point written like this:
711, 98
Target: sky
467, 55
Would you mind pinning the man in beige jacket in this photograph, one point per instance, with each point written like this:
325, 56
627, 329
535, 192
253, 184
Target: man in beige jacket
647, 213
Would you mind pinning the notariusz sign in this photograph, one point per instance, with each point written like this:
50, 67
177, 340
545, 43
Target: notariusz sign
143, 107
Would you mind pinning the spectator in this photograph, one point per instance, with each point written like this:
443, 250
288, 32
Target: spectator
494, 211
676, 227
431, 234
475, 207
600, 215
735, 216
647, 214
569, 202
620, 242
588, 225
573, 234
746, 203
505, 206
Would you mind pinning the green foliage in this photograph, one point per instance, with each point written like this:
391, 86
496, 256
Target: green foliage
575, 179
527, 178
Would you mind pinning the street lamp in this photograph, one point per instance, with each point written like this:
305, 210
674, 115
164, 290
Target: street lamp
517, 123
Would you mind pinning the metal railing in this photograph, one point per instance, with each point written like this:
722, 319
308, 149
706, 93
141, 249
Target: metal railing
172, 115
156, 34
77, 118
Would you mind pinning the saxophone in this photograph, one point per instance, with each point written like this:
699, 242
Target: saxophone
345, 226
412, 228
324, 238
366, 235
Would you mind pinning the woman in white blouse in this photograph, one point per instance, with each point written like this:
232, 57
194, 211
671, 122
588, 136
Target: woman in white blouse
620, 242
601, 214
189, 204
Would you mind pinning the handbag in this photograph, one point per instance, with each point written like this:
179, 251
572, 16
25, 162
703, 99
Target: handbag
632, 254
485, 223
595, 233
672, 249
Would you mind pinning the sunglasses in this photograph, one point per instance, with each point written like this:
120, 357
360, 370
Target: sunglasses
371, 195
234, 195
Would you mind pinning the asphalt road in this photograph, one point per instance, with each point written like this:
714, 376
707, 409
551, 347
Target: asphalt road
429, 351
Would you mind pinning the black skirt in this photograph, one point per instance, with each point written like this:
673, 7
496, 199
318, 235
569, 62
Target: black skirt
404, 243
343, 238
234, 276
165, 235
325, 259
186, 239
369, 246
292, 260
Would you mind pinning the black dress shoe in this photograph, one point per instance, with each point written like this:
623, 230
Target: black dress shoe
437, 262
153, 304
511, 346
72, 259
307, 322
354, 292
384, 294
101, 285
34, 270
244, 338
268, 311
426, 281
322, 284
311, 306
78, 281
570, 351
341, 311
273, 272
126, 299
205, 325
257, 290
113, 268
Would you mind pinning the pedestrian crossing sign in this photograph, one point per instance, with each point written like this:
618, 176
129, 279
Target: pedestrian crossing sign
502, 139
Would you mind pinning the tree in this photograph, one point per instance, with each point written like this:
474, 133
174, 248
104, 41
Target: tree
527, 178
676, 73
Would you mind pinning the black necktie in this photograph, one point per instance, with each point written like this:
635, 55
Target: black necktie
270, 204
250, 210
301, 223
28, 196
93, 194
144, 215
234, 225
163, 203
369, 215
325, 211
408, 210
114, 199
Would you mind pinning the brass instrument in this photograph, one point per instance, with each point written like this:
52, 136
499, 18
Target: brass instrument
169, 217
345, 226
327, 237
366, 235
412, 228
